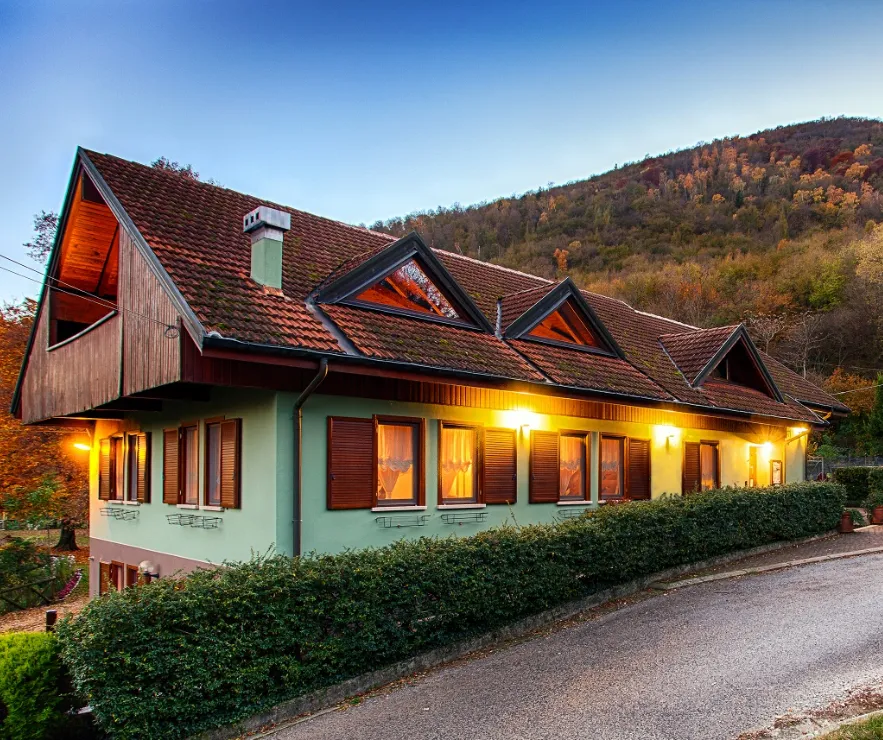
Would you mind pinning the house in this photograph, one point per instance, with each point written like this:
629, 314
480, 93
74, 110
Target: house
253, 377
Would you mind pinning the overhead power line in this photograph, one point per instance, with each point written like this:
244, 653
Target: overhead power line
170, 329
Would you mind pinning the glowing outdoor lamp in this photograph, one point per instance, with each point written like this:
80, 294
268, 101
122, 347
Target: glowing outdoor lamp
82, 446
668, 434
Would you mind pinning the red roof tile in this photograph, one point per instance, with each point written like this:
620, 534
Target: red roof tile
691, 351
195, 230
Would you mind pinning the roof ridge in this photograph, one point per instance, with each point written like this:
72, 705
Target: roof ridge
265, 201
493, 265
528, 290
700, 330
665, 318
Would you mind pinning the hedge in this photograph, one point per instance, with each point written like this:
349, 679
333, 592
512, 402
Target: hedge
177, 657
859, 482
34, 689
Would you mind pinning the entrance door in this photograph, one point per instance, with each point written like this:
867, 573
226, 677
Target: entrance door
752, 467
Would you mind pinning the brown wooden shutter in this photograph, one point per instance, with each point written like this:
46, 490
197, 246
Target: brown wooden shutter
171, 482
143, 459
351, 463
639, 469
104, 470
692, 479
544, 473
231, 463
500, 468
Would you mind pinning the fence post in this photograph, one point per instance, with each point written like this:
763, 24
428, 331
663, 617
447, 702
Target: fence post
51, 619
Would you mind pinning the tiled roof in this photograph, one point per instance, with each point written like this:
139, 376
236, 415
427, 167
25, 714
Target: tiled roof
691, 351
515, 304
195, 230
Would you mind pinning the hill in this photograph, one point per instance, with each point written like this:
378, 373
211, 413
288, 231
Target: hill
777, 229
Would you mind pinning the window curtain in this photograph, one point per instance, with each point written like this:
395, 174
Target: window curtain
708, 466
571, 467
457, 461
611, 467
395, 456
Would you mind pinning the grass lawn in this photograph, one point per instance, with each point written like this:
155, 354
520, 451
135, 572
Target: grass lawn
872, 729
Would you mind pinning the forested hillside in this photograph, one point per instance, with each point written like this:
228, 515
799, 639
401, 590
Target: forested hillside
777, 229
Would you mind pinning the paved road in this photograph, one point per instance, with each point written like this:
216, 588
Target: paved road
703, 663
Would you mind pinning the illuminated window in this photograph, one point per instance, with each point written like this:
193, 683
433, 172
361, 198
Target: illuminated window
708, 466
190, 471
572, 467
409, 288
397, 456
612, 467
457, 461
564, 325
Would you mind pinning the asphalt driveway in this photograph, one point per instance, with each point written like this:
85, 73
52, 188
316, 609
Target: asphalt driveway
702, 663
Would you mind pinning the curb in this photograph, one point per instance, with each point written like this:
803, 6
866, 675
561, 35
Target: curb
822, 734
327, 698
672, 585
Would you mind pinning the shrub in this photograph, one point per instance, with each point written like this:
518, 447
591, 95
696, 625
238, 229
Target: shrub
177, 657
855, 481
33, 687
22, 563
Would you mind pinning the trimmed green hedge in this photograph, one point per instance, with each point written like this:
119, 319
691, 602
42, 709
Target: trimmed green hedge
177, 657
34, 691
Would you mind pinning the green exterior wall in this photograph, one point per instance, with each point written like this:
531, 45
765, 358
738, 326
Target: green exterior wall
266, 518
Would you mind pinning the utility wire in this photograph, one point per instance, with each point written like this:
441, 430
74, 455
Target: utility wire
92, 299
857, 390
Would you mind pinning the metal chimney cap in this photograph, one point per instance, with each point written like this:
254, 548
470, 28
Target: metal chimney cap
266, 216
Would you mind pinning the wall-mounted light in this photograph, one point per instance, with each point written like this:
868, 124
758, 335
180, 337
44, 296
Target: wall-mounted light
767, 447
82, 446
522, 420
666, 435
149, 570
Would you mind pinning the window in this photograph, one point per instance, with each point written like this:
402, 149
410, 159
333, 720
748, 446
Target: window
777, 473
133, 577
376, 462
398, 475
223, 444
408, 288
558, 467
499, 466
572, 467
564, 325
111, 469
190, 465
222, 463
458, 456
137, 468
701, 466
612, 477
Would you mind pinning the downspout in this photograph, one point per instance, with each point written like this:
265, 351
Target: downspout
298, 449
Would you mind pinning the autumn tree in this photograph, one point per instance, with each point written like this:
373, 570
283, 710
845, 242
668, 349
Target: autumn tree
41, 476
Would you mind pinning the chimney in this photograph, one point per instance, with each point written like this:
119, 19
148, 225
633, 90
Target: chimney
266, 226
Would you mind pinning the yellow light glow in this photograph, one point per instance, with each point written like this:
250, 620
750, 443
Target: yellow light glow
767, 447
665, 436
521, 419
82, 446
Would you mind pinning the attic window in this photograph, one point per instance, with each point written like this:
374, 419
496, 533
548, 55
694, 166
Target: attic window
408, 288
565, 325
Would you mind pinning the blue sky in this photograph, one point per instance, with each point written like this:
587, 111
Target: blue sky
362, 111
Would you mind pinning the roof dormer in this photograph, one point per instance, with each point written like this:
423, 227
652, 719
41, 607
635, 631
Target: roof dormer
557, 315
404, 278
725, 354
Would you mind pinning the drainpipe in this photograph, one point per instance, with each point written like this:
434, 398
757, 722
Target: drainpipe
298, 449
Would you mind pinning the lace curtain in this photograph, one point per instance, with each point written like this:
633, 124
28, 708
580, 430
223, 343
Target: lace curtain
395, 461
571, 467
611, 467
457, 471
708, 466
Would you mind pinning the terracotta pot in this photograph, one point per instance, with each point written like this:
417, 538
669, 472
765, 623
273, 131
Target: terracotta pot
845, 523
877, 515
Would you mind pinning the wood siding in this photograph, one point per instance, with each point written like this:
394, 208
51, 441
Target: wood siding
150, 357
72, 377
123, 354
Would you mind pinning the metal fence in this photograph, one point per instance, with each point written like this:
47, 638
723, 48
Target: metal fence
817, 467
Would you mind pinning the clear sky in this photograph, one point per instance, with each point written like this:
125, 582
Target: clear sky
365, 110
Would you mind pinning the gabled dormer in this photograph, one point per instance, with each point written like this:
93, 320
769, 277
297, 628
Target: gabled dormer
405, 278
558, 315
725, 354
